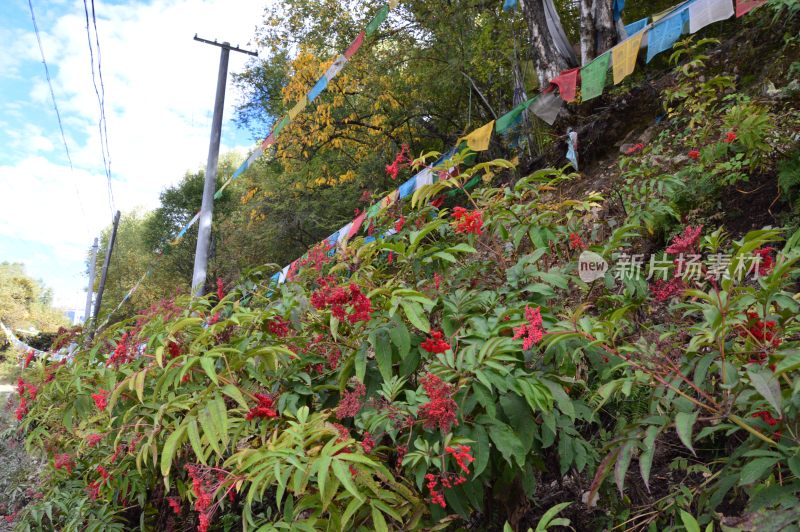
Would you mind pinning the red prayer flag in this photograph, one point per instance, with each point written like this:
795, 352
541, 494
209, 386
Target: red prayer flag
745, 6
267, 142
356, 225
350, 52
567, 83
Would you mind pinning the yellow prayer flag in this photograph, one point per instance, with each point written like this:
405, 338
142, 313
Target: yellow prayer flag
479, 139
624, 55
297, 108
387, 201
393, 3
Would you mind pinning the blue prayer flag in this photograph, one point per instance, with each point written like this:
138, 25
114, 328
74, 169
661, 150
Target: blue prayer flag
509, 5
635, 27
664, 34
318, 88
407, 188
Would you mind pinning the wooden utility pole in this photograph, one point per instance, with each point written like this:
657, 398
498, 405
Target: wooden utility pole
104, 275
207, 208
87, 314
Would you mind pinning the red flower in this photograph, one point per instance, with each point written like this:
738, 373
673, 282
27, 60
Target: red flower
265, 407
214, 319
531, 332
437, 497
575, 241
663, 290
390, 258
94, 439
468, 222
685, 242
220, 289
28, 359
694, 154
93, 490
175, 504
105, 475
729, 137
100, 399
400, 160
122, 354
398, 225
441, 409
765, 263
437, 280
367, 443
63, 461
462, 455
435, 343
437, 202
350, 404
634, 149
278, 326
366, 196
766, 417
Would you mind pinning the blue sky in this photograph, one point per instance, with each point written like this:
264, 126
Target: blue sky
159, 92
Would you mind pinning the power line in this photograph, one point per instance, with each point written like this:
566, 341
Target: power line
100, 92
58, 116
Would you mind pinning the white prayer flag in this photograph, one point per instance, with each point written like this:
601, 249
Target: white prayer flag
705, 12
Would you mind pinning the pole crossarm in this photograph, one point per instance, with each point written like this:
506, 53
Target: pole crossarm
225, 45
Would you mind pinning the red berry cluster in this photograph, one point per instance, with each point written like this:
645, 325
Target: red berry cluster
278, 326
63, 461
123, 353
462, 456
470, 222
264, 409
531, 332
765, 262
220, 289
94, 439
575, 241
766, 417
350, 404
761, 331
441, 409
28, 359
400, 160
100, 399
202, 489
663, 290
26, 392
367, 443
398, 225
685, 242
339, 298
435, 343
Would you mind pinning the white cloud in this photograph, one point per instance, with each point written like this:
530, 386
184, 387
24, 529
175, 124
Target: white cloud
159, 90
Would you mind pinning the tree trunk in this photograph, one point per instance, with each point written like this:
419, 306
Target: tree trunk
598, 30
588, 37
604, 25
549, 62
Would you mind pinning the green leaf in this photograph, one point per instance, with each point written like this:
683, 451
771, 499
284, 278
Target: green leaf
342, 472
646, 457
481, 449
208, 364
689, 522
378, 521
765, 382
790, 362
684, 424
401, 338
548, 516
383, 353
194, 438
170, 446
507, 443
234, 393
755, 470
621, 466
416, 315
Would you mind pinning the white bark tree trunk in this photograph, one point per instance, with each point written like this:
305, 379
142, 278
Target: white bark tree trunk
598, 30
549, 63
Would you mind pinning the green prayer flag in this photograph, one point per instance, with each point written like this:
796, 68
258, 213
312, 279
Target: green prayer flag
511, 118
377, 20
282, 124
593, 77
373, 210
